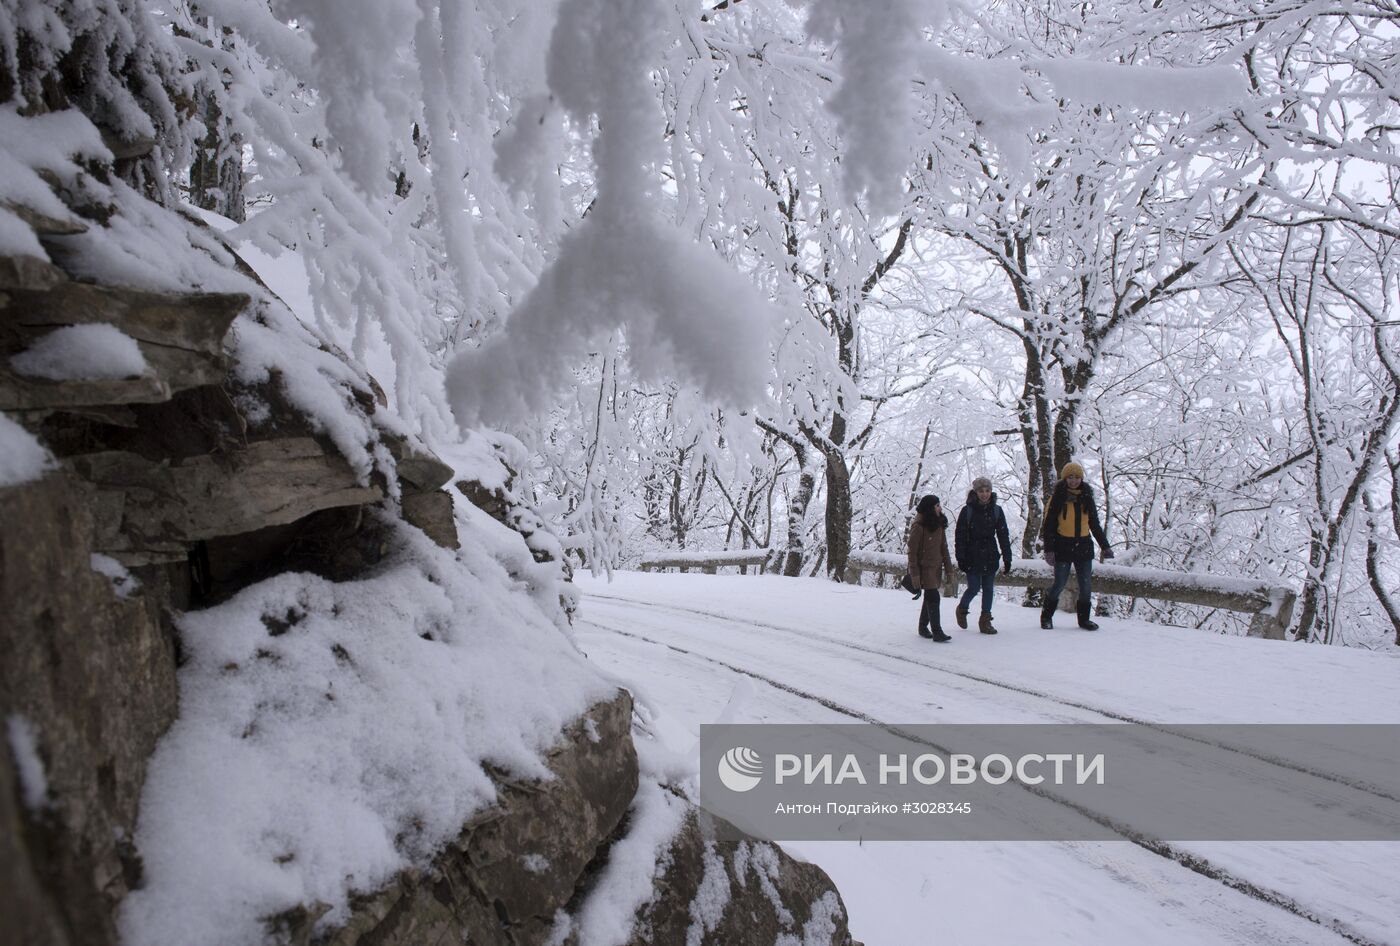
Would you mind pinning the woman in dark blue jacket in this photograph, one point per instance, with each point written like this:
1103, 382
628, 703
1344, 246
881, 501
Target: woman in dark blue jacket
981, 529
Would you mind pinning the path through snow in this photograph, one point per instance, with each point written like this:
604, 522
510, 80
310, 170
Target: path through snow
698, 649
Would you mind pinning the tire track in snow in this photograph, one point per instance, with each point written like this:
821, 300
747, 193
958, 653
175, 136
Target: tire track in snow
1193, 862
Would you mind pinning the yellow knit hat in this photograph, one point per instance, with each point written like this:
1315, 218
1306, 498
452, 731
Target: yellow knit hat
1072, 469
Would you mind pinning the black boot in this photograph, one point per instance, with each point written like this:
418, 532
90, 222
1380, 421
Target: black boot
924, 632
1085, 621
1047, 613
939, 637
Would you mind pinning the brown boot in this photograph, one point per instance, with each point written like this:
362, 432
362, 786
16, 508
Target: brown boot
984, 624
960, 614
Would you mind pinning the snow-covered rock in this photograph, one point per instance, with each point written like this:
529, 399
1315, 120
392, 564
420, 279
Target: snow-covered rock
265, 679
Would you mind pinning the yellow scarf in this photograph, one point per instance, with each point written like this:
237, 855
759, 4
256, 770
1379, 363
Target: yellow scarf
1068, 518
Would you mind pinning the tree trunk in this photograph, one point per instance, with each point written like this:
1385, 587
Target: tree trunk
797, 515
676, 507
838, 516
1313, 593
1077, 378
216, 171
1373, 563
1033, 414
919, 469
654, 501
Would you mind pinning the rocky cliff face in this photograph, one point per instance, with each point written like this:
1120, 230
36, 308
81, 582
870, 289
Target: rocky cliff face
92, 675
185, 484
179, 488
236, 450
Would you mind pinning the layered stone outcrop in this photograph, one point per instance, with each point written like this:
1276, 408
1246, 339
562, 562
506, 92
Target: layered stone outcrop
197, 482
173, 489
160, 473
166, 475
180, 336
512, 868
93, 675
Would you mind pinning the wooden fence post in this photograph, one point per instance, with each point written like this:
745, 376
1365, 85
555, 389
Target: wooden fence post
1272, 622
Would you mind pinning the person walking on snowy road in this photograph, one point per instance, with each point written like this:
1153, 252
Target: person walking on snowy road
1070, 521
980, 535
929, 563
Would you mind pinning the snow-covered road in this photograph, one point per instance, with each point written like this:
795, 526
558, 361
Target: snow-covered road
698, 649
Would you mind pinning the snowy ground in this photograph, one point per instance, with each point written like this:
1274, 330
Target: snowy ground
699, 649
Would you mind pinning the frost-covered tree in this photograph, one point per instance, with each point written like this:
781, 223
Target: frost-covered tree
1330, 294
716, 263
1109, 185
216, 165
1381, 544
112, 61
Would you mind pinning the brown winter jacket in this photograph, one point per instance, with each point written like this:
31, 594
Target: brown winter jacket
929, 561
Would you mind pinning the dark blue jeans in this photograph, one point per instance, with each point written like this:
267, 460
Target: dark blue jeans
1083, 570
983, 582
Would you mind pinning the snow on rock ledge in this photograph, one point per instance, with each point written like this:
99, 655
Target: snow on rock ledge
512, 869
334, 734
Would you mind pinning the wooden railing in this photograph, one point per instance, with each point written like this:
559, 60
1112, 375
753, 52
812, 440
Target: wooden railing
711, 562
1271, 604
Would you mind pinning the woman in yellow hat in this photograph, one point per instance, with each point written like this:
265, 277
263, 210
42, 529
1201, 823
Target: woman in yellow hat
1068, 535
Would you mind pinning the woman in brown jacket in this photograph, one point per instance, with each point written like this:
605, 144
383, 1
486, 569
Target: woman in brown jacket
929, 563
